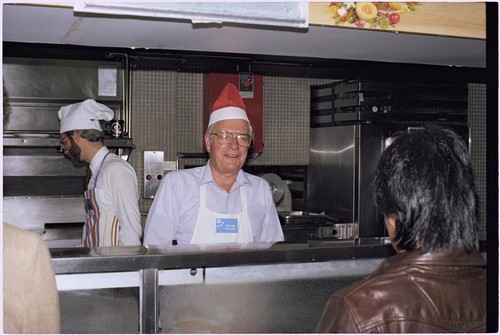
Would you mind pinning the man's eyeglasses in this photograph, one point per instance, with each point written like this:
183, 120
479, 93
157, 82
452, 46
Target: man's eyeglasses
61, 143
225, 137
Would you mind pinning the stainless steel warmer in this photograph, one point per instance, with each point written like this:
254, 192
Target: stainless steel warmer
351, 124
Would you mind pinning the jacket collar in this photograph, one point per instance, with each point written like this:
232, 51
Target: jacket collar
453, 259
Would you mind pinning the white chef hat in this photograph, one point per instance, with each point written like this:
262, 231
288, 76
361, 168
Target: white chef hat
84, 115
229, 105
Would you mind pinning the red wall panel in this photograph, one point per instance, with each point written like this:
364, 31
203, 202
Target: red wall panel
213, 85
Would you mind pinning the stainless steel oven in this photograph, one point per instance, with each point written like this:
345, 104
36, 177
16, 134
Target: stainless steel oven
43, 191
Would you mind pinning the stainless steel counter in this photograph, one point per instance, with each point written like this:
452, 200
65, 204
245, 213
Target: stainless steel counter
111, 259
218, 289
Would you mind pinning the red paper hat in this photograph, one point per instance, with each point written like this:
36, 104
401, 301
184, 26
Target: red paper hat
228, 106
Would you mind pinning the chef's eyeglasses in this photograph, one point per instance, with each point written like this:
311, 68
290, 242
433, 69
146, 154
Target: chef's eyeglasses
225, 137
62, 146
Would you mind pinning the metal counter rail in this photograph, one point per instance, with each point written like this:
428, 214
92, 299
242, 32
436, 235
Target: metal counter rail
114, 259
142, 266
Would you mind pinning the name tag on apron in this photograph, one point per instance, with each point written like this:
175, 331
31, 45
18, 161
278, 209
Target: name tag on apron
226, 225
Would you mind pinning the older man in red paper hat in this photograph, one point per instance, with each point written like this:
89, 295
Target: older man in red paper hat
218, 202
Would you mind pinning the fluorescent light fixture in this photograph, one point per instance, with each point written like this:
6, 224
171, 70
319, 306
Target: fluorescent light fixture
283, 14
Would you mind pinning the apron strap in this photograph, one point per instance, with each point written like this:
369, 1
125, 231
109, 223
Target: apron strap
100, 167
243, 195
203, 196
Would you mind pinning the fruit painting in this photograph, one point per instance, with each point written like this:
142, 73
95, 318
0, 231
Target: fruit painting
373, 14
460, 19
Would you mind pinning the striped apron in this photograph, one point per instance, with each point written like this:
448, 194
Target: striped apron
101, 228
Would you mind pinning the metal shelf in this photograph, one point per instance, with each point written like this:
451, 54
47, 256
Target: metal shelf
52, 141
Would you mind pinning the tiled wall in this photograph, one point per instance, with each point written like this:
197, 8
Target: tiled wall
477, 124
167, 115
286, 121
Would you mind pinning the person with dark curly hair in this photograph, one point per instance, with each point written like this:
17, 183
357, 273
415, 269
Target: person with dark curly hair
424, 187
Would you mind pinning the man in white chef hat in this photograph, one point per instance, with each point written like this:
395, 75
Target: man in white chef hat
217, 202
111, 198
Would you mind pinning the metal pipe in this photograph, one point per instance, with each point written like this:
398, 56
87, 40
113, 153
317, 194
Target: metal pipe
126, 88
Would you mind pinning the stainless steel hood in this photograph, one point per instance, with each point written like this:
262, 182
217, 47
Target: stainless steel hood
61, 25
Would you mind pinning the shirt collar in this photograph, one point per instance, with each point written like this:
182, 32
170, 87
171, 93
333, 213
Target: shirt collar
207, 177
96, 162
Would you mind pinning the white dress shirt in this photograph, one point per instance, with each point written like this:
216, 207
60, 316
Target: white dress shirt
174, 211
117, 194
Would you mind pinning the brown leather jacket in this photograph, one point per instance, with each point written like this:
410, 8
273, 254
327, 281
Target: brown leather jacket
413, 293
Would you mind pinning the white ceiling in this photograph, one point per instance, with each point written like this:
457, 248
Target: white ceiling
60, 25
